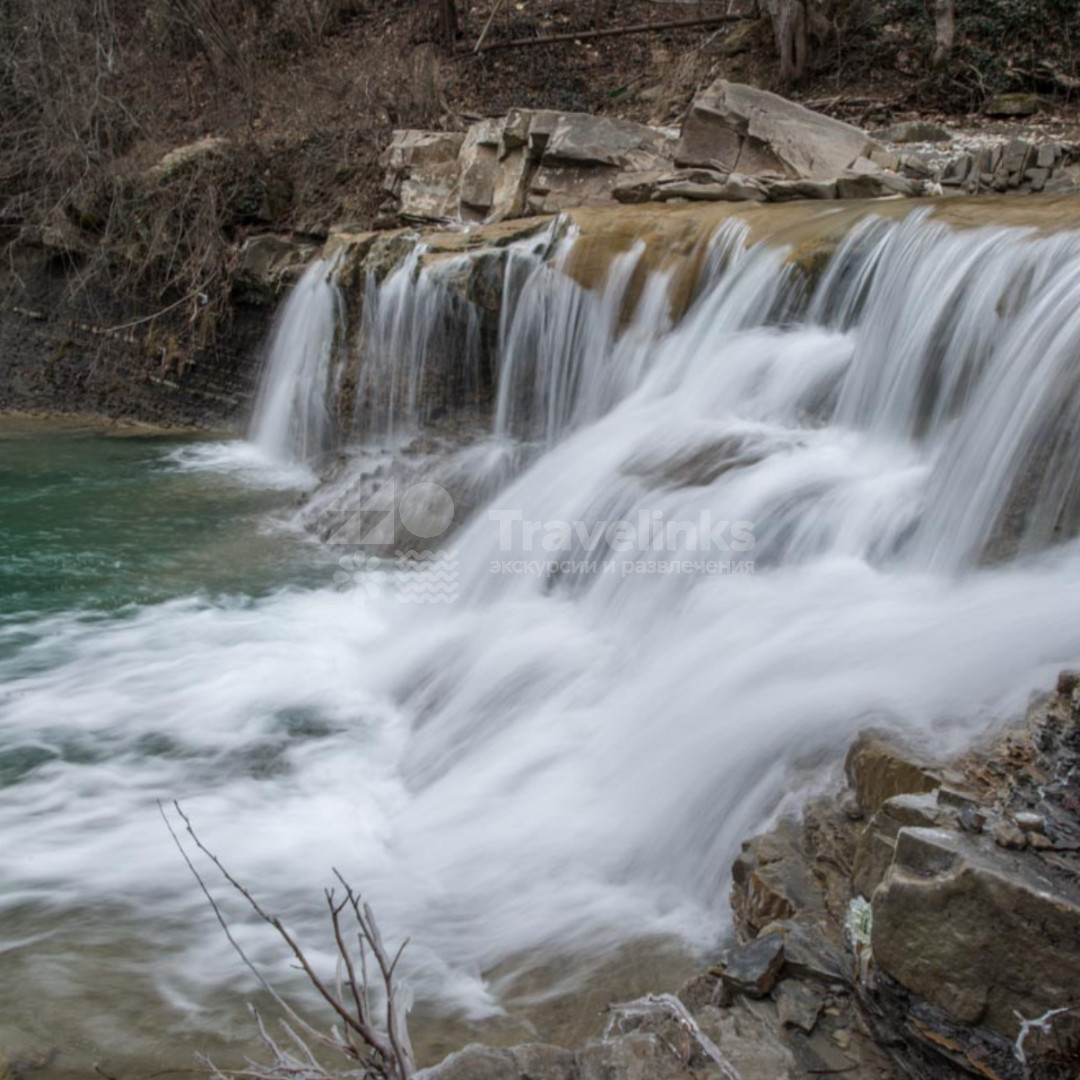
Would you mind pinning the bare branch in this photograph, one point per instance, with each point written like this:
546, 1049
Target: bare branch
383, 1055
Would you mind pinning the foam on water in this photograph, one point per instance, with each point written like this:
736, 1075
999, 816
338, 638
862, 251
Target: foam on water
561, 762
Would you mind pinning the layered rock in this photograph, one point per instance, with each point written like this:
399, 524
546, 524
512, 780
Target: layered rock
531, 161
738, 144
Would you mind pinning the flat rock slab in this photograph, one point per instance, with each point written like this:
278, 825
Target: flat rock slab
739, 128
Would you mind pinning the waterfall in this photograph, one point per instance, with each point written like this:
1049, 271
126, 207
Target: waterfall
293, 412
419, 349
693, 555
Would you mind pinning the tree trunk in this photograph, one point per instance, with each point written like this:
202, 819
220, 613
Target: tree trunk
448, 23
790, 29
944, 30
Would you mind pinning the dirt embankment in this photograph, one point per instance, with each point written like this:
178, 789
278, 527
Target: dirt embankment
293, 105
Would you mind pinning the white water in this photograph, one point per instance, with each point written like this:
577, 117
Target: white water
419, 343
559, 763
293, 417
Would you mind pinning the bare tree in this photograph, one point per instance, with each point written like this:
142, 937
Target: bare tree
448, 21
944, 31
790, 20
383, 1050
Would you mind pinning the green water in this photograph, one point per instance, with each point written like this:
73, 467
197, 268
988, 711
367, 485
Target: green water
93, 517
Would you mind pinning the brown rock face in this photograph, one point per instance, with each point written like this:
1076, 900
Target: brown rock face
879, 766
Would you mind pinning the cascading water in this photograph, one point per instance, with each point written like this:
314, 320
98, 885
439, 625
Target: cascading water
566, 758
419, 349
292, 421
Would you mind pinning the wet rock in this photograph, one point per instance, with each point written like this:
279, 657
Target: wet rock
738, 128
772, 879
798, 1004
976, 931
809, 951
1012, 105
916, 131
877, 842
643, 1056
752, 969
879, 766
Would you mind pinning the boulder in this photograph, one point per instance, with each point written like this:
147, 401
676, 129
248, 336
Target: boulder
735, 127
583, 139
879, 766
422, 172
986, 935
478, 163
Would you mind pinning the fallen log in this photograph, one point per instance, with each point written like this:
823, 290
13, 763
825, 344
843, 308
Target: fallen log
608, 31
